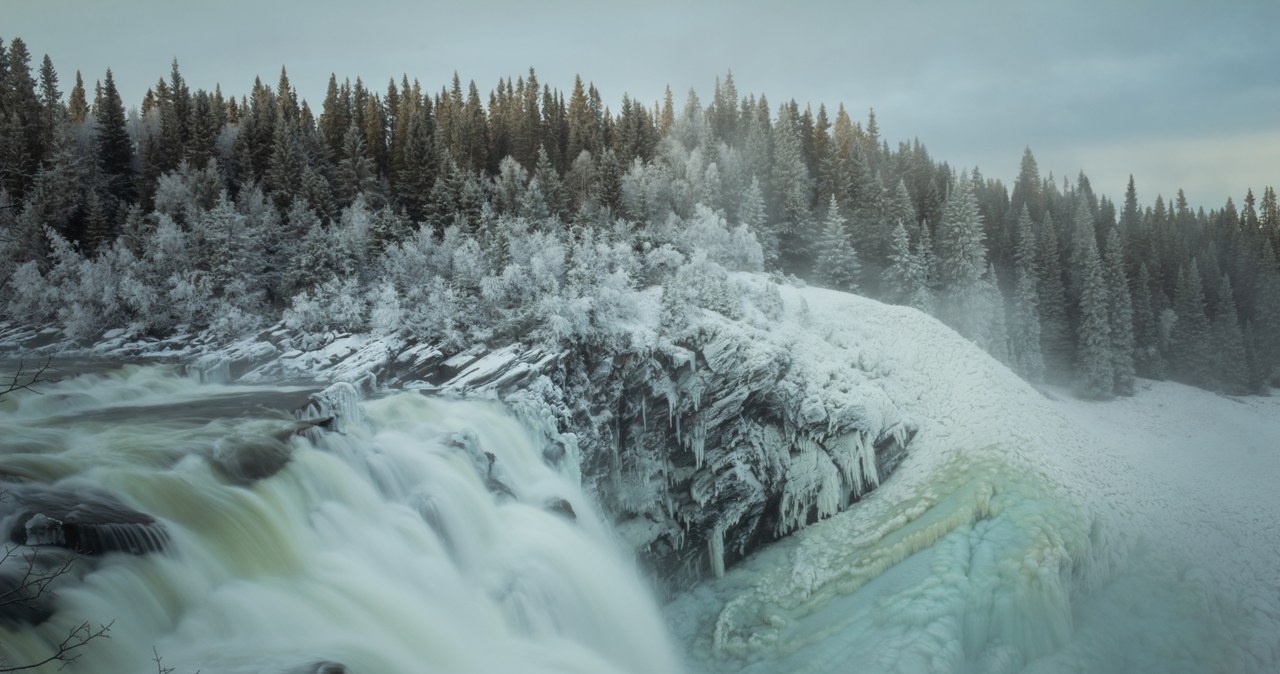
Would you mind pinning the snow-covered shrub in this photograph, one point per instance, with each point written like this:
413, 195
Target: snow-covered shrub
31, 300
707, 231
699, 284
661, 264
336, 304
386, 315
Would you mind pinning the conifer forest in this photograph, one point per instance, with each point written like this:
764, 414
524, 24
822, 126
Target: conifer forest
461, 215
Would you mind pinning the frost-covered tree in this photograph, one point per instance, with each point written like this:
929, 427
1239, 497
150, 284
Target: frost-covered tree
1229, 357
1056, 339
1025, 356
1148, 361
1121, 315
962, 262
1095, 362
993, 335
837, 263
1190, 338
906, 279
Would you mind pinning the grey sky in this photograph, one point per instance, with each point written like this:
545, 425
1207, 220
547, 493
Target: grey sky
1178, 93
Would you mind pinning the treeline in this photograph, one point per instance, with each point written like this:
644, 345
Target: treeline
487, 217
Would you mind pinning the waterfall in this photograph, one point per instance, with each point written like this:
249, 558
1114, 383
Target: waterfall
428, 536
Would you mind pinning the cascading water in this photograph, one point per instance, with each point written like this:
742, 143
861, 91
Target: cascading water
431, 536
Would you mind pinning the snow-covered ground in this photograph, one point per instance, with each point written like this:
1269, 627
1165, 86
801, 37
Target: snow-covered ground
1021, 534
1201, 478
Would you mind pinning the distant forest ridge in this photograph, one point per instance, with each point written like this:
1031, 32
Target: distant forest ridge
523, 213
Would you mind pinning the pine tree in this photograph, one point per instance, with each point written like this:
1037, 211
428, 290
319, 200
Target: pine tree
418, 175
1190, 338
77, 106
1266, 313
284, 178
962, 262
1025, 356
905, 276
1056, 340
790, 179
993, 335
356, 172
52, 112
1228, 343
752, 214
1146, 332
837, 263
1095, 363
1121, 317
21, 123
115, 149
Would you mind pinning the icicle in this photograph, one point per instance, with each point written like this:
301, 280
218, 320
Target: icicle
698, 440
715, 550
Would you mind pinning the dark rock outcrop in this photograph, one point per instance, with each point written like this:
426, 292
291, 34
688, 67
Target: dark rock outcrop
84, 521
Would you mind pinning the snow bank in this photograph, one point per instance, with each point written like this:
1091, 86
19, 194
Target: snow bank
1002, 543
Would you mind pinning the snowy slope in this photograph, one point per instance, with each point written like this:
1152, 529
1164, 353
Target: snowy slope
1010, 538
1201, 476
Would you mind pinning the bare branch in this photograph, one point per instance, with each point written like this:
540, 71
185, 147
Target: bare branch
68, 650
24, 380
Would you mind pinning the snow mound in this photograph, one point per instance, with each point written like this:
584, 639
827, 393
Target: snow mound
1002, 543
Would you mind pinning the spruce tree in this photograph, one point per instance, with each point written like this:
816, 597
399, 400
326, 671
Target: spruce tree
993, 335
1122, 337
356, 172
790, 179
1228, 343
1146, 331
1266, 313
1190, 338
1025, 356
77, 105
1056, 340
837, 264
1095, 364
962, 262
418, 175
115, 149
905, 276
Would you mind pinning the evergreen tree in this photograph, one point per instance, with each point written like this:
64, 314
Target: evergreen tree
1190, 338
837, 263
1121, 317
752, 214
1056, 340
790, 179
52, 111
1266, 313
1147, 359
356, 172
1025, 356
21, 123
1095, 362
418, 175
962, 262
77, 106
993, 335
905, 276
1228, 343
115, 149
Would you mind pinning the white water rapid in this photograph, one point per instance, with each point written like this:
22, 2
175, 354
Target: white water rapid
392, 544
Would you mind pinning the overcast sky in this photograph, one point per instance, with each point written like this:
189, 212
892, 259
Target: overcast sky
1178, 93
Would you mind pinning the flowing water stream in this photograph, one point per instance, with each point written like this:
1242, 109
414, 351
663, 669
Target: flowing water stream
414, 534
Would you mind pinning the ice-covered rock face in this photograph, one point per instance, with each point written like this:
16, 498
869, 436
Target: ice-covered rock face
706, 450
704, 437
